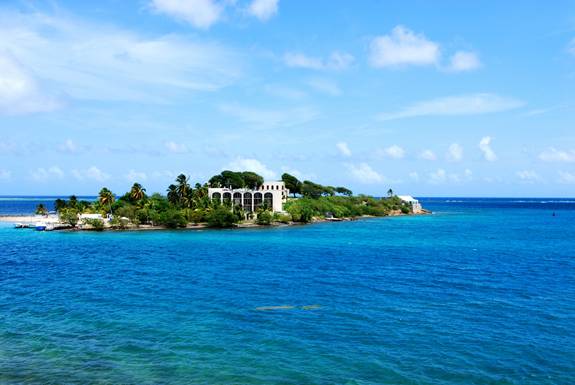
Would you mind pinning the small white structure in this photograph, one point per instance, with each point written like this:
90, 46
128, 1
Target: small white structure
91, 216
414, 203
272, 194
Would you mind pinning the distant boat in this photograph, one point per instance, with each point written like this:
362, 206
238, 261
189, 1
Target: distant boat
40, 226
20, 226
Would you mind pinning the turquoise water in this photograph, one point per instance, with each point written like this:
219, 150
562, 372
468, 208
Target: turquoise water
481, 292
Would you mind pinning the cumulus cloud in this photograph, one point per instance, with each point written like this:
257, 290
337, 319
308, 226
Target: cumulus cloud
250, 164
42, 174
427, 155
336, 61
199, 13
5, 174
91, 173
136, 176
454, 153
393, 152
464, 61
473, 104
528, 176
363, 173
441, 176
68, 146
403, 47
343, 149
554, 155
19, 91
485, 147
263, 9
90, 61
176, 148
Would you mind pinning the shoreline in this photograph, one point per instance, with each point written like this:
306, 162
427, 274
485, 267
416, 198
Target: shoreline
54, 220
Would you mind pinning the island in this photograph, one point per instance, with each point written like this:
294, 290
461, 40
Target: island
229, 199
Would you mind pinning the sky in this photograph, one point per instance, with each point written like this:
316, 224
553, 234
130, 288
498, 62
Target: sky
449, 98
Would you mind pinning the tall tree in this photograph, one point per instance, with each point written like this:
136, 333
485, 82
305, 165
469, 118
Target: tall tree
137, 192
173, 196
292, 183
106, 198
390, 193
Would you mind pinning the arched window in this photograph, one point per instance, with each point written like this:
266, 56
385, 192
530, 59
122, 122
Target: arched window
237, 199
257, 200
217, 196
248, 201
269, 200
227, 197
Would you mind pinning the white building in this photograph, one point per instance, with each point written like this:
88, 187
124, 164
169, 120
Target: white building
414, 203
272, 194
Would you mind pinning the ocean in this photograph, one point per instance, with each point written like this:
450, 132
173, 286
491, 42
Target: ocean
480, 292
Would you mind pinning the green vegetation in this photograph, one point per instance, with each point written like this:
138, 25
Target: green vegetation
41, 210
306, 208
185, 204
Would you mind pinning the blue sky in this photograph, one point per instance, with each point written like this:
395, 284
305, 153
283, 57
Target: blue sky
447, 98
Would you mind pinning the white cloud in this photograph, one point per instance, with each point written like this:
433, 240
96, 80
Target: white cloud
554, 155
69, 146
136, 176
441, 176
91, 173
269, 118
363, 173
528, 176
5, 174
401, 48
43, 174
454, 153
98, 62
19, 91
199, 13
336, 61
414, 176
472, 104
325, 86
343, 149
485, 147
250, 164
176, 148
263, 9
427, 155
393, 152
438, 176
464, 61
566, 177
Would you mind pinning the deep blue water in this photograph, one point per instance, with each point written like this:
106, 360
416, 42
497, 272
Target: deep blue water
481, 292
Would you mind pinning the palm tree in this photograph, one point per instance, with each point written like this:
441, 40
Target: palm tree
41, 209
173, 196
183, 186
390, 193
106, 198
137, 192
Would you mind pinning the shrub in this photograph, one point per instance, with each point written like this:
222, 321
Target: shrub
69, 216
283, 218
173, 218
96, 224
264, 218
221, 217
